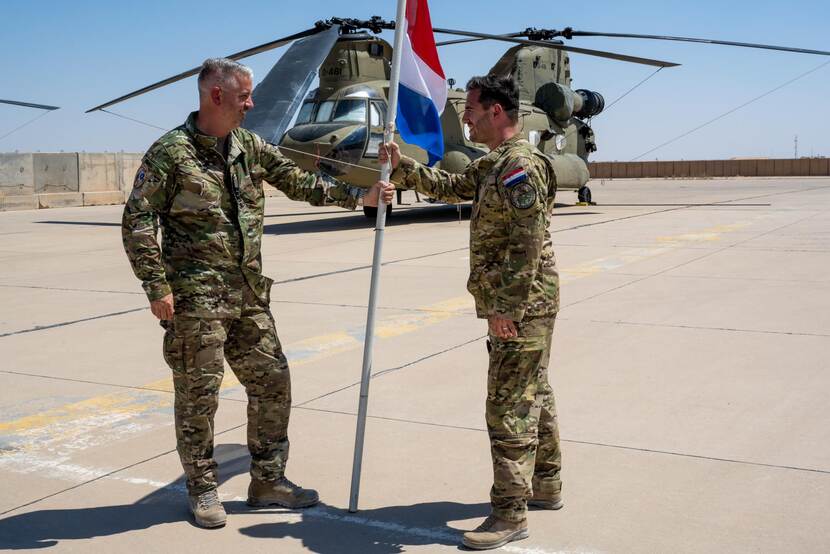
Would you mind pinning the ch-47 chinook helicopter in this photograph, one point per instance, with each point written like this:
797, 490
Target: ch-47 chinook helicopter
339, 125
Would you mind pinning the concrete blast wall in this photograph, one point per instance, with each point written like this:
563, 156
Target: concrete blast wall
57, 180
804, 167
50, 180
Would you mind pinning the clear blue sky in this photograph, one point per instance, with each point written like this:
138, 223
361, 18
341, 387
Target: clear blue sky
81, 53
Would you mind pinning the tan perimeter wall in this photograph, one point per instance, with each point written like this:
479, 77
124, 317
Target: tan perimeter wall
58, 180
803, 167
52, 180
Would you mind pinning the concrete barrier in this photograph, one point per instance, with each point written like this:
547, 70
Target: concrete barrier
128, 164
98, 172
55, 173
17, 176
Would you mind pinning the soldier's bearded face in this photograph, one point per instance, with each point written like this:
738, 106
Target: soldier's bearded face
237, 100
478, 119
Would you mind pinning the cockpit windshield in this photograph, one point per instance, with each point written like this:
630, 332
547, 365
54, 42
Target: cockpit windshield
352, 110
347, 110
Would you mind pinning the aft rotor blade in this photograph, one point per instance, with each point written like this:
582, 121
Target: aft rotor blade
238, 56
464, 40
555, 46
701, 40
29, 105
278, 96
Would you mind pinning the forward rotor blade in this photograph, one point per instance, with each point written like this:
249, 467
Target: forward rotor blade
597, 53
238, 56
29, 105
701, 40
278, 96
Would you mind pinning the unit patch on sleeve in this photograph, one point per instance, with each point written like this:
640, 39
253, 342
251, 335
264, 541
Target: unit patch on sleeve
523, 196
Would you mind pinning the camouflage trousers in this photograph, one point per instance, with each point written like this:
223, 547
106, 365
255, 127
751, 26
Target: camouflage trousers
195, 349
521, 419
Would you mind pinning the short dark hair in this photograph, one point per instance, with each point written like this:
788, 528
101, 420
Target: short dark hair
497, 89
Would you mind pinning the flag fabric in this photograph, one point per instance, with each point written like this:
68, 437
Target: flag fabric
422, 91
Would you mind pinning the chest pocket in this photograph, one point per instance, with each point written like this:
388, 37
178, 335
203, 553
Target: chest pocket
250, 185
198, 190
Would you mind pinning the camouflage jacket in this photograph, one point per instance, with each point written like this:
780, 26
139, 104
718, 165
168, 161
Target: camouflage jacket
210, 212
512, 266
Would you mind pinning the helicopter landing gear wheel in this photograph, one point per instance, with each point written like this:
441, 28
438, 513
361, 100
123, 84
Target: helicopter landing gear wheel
584, 196
371, 212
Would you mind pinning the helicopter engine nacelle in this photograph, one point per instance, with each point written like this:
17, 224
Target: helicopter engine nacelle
587, 103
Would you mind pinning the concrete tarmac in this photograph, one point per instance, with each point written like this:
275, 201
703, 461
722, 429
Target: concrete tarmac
689, 367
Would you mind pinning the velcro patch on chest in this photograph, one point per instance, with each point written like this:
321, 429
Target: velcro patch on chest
514, 177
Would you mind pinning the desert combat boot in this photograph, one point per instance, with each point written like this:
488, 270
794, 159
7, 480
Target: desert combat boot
495, 532
281, 492
207, 510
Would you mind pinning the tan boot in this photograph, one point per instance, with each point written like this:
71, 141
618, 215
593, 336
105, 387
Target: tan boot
546, 501
207, 510
281, 492
495, 532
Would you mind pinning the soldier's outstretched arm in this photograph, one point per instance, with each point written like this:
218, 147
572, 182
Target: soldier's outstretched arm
435, 183
524, 187
139, 224
318, 189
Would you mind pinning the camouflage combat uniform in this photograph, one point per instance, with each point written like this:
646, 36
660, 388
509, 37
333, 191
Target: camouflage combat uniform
512, 274
210, 210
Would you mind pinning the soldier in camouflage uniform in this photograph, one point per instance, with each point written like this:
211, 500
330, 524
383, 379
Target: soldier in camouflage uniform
514, 281
202, 184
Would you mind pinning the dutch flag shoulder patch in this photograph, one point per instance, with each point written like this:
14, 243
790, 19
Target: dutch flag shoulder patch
514, 177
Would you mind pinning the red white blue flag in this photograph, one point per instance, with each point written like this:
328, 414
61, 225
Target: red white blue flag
422, 92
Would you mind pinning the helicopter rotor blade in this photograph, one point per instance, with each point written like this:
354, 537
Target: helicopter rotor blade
238, 56
278, 96
699, 40
29, 105
465, 40
555, 46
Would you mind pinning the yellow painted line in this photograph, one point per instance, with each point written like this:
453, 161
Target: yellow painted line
632, 255
121, 405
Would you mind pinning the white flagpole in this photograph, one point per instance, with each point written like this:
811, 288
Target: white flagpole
369, 340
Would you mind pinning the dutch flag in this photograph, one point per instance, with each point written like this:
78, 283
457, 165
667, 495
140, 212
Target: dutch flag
422, 92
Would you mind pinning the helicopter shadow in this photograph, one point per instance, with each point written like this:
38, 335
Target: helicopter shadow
436, 213
323, 529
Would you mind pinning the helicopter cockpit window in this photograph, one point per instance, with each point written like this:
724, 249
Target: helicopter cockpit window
324, 111
350, 110
306, 111
377, 119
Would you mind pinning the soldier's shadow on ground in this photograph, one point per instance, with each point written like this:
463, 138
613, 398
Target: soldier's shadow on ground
321, 529
387, 530
46, 528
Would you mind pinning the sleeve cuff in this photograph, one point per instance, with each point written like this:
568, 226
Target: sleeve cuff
511, 313
399, 174
156, 290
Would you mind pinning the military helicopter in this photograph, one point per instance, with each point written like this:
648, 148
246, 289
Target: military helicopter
339, 125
